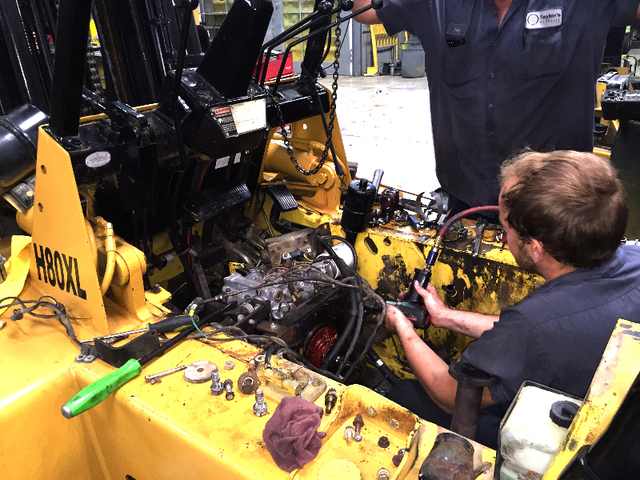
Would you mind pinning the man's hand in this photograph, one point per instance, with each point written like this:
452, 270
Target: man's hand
369, 17
466, 323
435, 306
395, 321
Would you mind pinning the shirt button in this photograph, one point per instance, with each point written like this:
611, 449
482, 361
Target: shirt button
492, 75
490, 134
490, 105
495, 44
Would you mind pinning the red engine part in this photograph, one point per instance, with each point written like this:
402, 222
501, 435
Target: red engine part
319, 345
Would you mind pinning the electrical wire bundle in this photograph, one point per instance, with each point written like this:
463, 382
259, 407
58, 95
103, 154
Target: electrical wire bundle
29, 307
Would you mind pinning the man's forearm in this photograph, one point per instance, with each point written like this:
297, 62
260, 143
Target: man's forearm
466, 323
431, 371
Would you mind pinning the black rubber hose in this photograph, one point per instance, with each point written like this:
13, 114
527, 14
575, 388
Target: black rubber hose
269, 353
352, 312
366, 347
344, 269
356, 300
307, 364
355, 336
351, 247
375, 360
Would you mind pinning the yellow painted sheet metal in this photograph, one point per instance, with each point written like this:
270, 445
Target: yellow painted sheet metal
17, 267
173, 429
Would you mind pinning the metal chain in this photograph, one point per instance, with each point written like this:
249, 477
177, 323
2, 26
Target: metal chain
332, 113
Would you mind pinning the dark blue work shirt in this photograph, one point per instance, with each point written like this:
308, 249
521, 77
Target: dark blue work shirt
556, 336
528, 82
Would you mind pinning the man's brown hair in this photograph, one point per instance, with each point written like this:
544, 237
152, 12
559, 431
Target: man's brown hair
572, 202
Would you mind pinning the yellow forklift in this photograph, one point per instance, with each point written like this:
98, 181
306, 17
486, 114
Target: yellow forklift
189, 267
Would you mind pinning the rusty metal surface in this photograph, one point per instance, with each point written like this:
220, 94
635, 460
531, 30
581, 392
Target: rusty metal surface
451, 458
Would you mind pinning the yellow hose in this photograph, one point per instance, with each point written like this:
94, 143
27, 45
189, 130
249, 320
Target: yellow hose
110, 246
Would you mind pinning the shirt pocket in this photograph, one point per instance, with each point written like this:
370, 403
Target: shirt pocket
543, 52
457, 65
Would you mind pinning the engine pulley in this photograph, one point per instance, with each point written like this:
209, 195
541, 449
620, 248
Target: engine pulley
320, 344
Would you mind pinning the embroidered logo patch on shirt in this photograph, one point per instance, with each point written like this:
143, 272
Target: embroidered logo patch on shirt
544, 19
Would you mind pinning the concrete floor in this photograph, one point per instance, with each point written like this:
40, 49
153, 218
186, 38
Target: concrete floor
386, 123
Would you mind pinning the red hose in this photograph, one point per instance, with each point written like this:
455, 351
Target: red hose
464, 213
433, 253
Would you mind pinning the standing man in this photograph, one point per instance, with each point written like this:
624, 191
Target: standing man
504, 75
564, 213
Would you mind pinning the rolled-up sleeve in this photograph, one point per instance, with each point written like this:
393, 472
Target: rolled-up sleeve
397, 15
502, 352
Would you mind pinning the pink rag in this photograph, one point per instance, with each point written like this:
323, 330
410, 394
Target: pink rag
291, 434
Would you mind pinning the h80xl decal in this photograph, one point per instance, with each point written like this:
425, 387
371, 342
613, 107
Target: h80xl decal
58, 269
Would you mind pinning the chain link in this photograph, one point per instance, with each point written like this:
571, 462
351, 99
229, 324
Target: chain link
332, 113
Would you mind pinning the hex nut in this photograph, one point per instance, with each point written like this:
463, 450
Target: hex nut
229, 364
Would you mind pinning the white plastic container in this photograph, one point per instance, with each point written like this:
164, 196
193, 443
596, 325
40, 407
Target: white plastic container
529, 438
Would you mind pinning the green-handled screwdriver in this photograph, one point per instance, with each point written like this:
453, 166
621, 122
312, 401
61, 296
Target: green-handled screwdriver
94, 393
171, 324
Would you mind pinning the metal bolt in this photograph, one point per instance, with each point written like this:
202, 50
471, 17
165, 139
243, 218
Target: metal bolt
260, 407
156, 377
383, 474
330, 400
383, 442
229, 364
358, 423
349, 433
228, 386
216, 386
